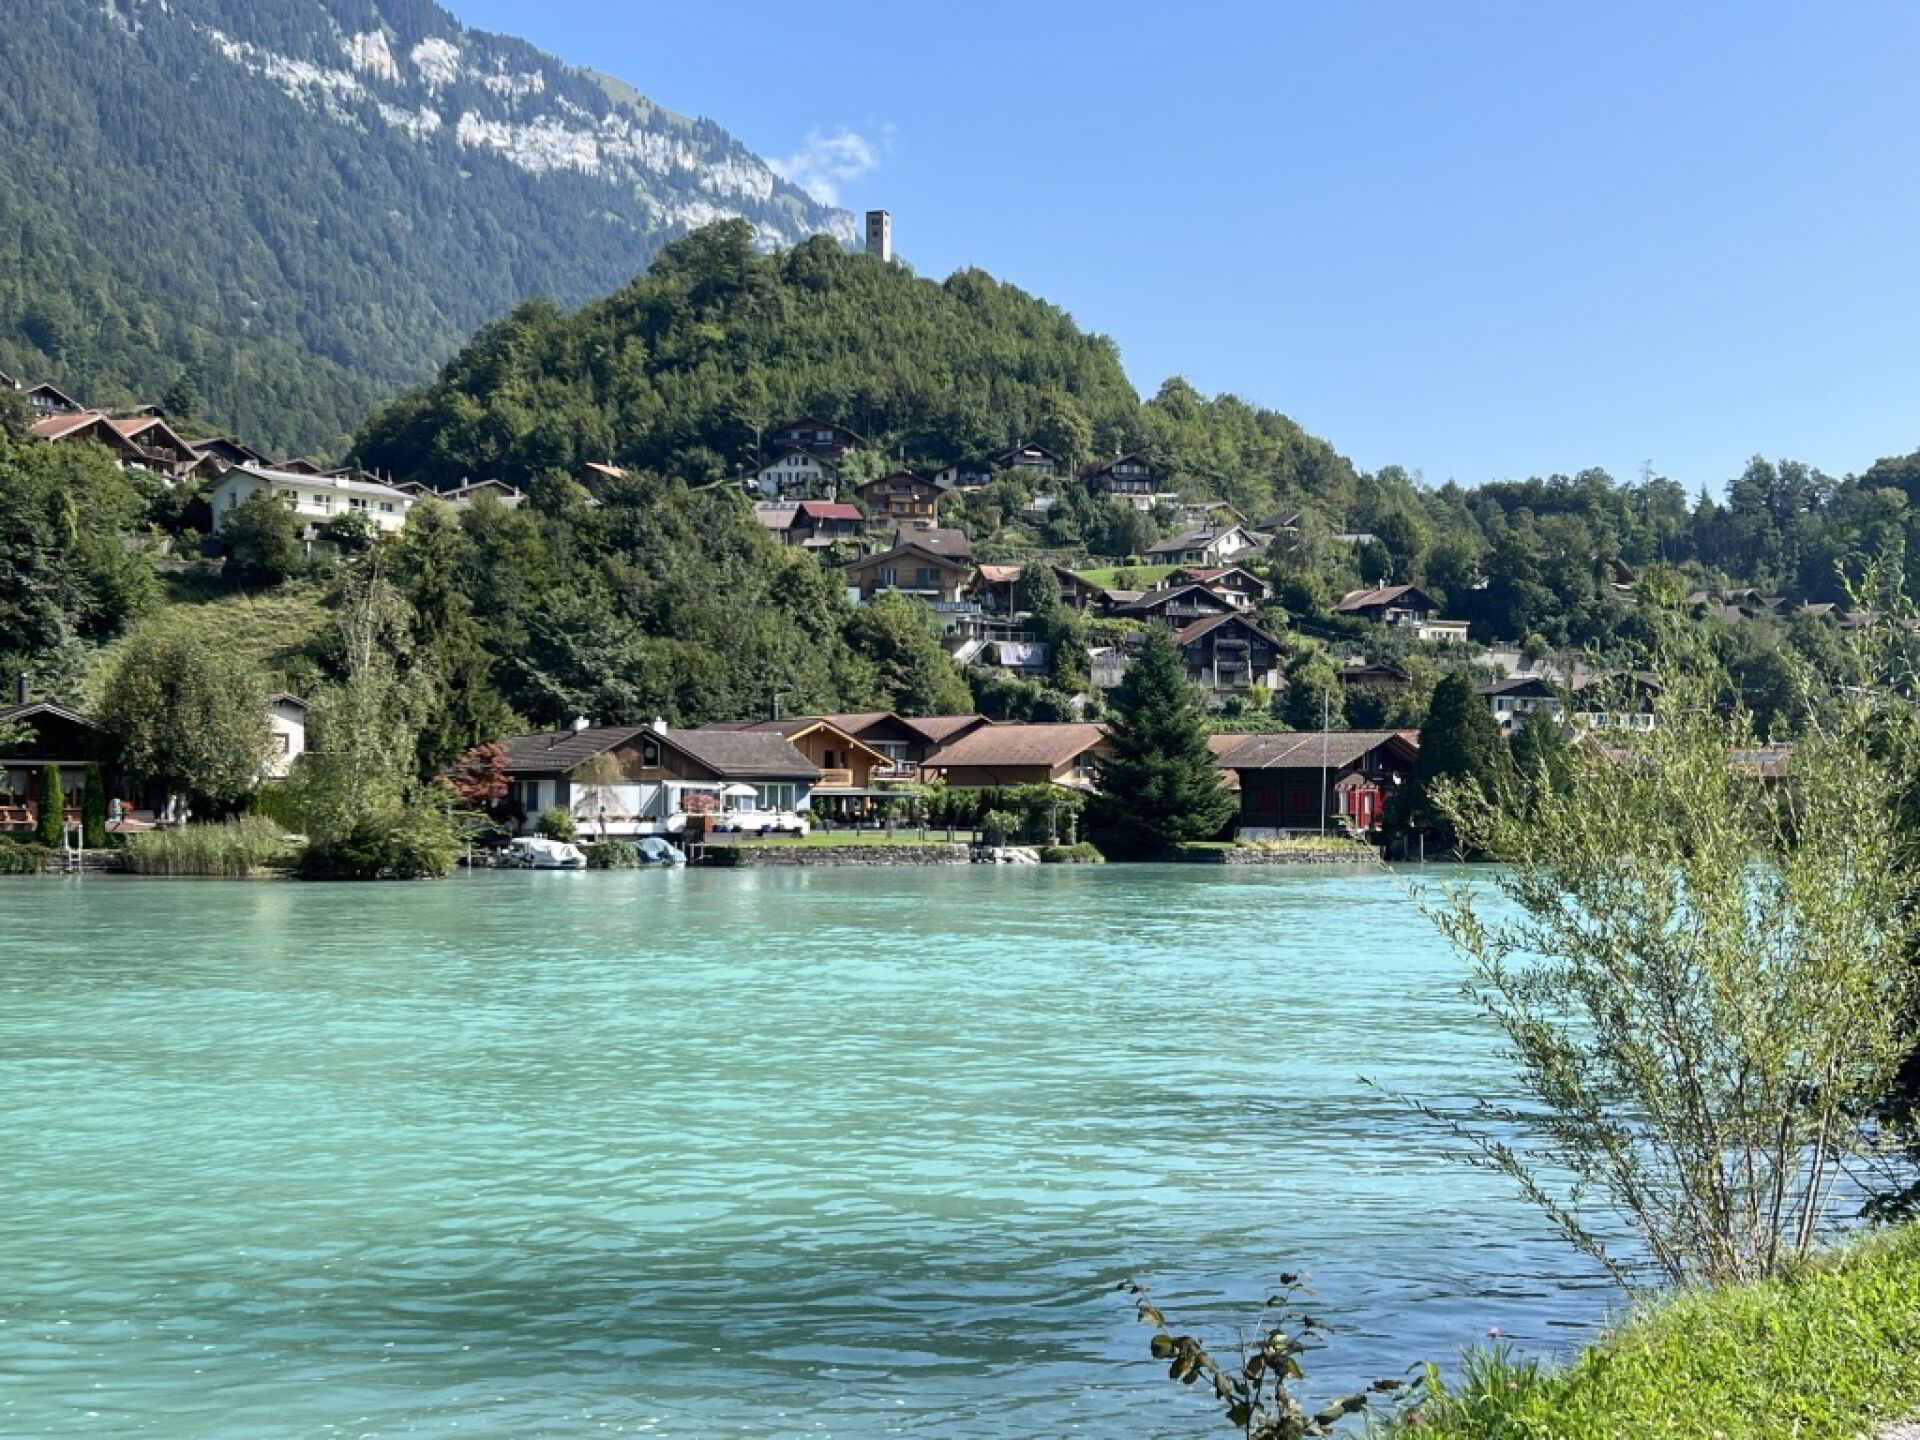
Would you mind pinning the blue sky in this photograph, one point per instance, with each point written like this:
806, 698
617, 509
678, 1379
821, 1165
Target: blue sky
1478, 240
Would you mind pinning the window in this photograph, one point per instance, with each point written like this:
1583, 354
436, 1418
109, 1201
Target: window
776, 797
282, 743
355, 503
386, 507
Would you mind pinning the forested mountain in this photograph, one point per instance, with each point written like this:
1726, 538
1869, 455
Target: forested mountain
291, 209
674, 372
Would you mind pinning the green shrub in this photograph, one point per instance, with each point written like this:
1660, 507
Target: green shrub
23, 857
421, 842
557, 824
1000, 826
251, 845
279, 801
1081, 854
611, 855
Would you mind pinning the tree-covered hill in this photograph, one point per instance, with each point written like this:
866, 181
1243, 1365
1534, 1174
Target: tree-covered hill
674, 372
300, 207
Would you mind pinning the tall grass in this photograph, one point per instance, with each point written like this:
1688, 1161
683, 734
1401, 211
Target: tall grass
251, 845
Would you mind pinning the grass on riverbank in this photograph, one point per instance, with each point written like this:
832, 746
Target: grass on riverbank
251, 845
1826, 1355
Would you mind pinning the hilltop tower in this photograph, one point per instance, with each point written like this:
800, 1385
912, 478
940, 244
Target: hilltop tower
880, 234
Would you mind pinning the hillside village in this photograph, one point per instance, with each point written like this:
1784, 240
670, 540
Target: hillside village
900, 535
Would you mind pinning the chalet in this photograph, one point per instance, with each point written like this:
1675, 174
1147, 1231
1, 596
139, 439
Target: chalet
303, 465
903, 742
965, 475
1516, 701
940, 539
56, 739
287, 732
648, 779
1389, 605
993, 586
88, 427
912, 569
1228, 655
314, 499
1029, 459
1132, 478
1080, 592
1303, 782
1615, 700
228, 451
1374, 677
1202, 547
796, 472
164, 448
812, 524
849, 767
815, 437
991, 756
901, 498
418, 489
1176, 605
45, 399
1235, 584
1281, 522
461, 496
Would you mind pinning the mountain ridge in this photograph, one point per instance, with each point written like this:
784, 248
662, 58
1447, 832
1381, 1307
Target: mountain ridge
299, 208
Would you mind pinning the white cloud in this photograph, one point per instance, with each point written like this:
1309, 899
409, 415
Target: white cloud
828, 160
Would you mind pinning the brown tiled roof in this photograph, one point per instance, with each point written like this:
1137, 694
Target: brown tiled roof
829, 510
1300, 749
1200, 629
940, 728
745, 753
563, 749
1150, 598
1381, 595
1010, 746
1000, 574
55, 427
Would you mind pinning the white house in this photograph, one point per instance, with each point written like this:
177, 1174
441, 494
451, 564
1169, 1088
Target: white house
796, 472
314, 499
287, 720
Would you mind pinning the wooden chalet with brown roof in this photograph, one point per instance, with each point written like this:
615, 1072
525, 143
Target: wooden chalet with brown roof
904, 741
88, 427
816, 437
1209, 545
1029, 458
1176, 604
1235, 584
811, 524
1130, 477
900, 498
1228, 655
993, 756
46, 399
913, 569
850, 769
228, 450
56, 739
1389, 605
1302, 782
648, 779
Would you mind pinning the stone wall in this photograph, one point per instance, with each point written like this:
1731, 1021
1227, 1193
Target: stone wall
1292, 855
760, 856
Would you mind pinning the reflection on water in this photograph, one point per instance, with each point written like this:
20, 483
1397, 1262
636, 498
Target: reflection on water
775, 1153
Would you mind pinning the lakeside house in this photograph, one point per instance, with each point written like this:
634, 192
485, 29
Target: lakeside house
287, 733
1606, 700
849, 767
629, 780
1300, 783
313, 498
997, 755
57, 739
903, 742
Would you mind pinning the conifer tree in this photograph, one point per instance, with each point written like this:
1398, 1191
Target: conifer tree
93, 809
1458, 743
1160, 785
53, 807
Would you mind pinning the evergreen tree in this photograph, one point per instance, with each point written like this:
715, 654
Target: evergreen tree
1542, 758
93, 809
53, 807
1459, 743
1160, 785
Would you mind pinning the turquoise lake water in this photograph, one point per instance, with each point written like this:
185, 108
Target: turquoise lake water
820, 1153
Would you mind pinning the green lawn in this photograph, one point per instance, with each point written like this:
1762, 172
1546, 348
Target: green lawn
1828, 1355
267, 628
1137, 577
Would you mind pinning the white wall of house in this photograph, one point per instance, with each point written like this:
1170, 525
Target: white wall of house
313, 499
287, 723
791, 473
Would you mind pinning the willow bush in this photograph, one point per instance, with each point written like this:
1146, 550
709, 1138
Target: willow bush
1701, 971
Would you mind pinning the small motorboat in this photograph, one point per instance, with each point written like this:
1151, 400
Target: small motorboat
655, 851
530, 852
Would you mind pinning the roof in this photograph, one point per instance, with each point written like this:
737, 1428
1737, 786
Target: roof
894, 477
337, 482
775, 517
1356, 669
1146, 600
794, 452
1013, 746
1105, 465
1380, 595
1305, 750
941, 728
745, 754
1192, 540
911, 547
790, 727
57, 427
829, 510
610, 472
281, 697
1007, 457
1201, 574
1000, 574
1200, 629
44, 707
941, 540
1520, 685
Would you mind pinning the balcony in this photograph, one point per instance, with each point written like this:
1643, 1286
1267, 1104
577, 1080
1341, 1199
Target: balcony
834, 780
